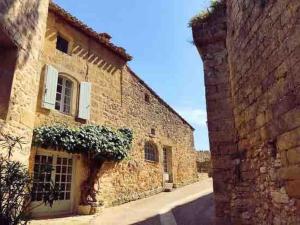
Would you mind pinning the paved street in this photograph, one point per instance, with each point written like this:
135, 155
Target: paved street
190, 205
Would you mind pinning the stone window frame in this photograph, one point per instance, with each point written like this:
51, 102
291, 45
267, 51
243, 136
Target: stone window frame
68, 38
151, 153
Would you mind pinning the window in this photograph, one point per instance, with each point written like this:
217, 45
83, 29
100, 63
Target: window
147, 98
153, 131
50, 170
64, 95
151, 153
62, 44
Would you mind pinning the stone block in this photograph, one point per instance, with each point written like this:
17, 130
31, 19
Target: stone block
28, 118
279, 197
293, 155
290, 173
289, 139
293, 188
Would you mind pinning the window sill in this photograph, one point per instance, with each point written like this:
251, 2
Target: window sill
152, 162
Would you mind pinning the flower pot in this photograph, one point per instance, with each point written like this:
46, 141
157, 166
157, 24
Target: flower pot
84, 210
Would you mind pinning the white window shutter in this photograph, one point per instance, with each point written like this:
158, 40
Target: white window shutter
85, 100
51, 77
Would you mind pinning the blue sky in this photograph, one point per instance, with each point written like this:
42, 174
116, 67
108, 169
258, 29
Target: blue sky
156, 34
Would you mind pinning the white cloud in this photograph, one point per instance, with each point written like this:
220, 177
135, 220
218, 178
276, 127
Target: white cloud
197, 117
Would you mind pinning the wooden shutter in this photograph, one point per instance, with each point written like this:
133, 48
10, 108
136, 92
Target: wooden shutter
51, 77
85, 100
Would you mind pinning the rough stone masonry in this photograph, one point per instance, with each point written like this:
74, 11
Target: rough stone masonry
29, 31
251, 54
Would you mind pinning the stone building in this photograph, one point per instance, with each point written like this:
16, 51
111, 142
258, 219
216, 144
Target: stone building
56, 69
251, 54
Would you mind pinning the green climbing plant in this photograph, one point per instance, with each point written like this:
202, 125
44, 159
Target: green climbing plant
97, 143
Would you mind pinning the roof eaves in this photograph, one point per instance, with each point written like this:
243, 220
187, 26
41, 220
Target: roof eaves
102, 38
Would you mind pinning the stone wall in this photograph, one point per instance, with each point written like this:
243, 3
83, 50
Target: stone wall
203, 161
22, 25
261, 178
118, 100
210, 38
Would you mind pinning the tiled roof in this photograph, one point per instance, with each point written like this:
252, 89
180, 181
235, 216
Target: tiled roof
102, 38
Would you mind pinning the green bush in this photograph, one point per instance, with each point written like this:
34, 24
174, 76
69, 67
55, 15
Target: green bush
203, 15
16, 185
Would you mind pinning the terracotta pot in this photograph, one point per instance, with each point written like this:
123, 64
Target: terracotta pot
84, 210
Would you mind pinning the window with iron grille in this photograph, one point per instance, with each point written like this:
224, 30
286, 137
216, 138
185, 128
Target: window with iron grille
151, 153
64, 95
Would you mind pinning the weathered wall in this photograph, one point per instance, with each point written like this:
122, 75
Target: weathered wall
23, 23
263, 59
210, 38
117, 100
203, 161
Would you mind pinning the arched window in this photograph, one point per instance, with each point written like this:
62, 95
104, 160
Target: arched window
151, 152
64, 95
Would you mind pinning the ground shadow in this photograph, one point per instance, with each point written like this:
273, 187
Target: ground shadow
198, 212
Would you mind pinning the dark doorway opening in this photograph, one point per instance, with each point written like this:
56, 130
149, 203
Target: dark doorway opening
8, 58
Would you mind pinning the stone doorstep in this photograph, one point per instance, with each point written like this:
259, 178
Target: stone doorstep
168, 187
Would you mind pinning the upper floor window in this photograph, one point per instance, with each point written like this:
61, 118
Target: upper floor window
64, 95
147, 98
62, 44
153, 132
151, 152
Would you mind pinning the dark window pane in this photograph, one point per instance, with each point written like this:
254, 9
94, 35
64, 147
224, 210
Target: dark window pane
50, 160
59, 89
62, 187
39, 196
47, 187
57, 178
40, 187
37, 158
44, 159
33, 196
64, 169
57, 106
48, 177
58, 160
61, 196
68, 196
68, 188
58, 97
62, 44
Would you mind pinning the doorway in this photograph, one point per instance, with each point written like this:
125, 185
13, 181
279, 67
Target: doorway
61, 175
167, 164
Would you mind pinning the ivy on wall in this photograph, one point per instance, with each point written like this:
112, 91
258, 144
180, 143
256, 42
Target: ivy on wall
99, 141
